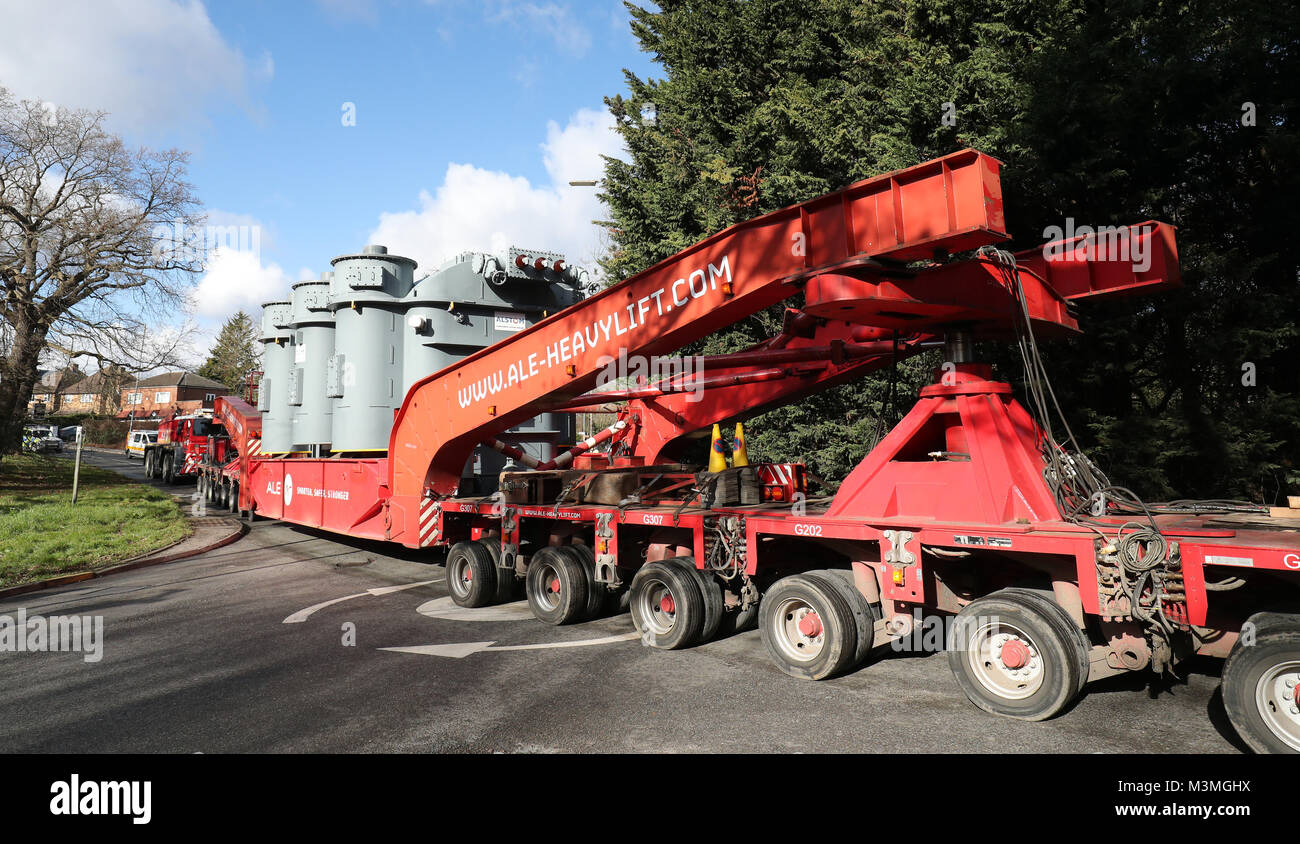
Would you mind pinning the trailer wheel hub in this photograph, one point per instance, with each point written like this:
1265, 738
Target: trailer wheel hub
811, 625
1015, 654
1277, 695
554, 586
666, 604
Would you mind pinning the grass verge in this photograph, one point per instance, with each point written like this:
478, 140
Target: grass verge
42, 534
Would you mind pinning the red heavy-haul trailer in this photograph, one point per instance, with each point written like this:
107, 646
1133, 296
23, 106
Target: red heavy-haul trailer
970, 509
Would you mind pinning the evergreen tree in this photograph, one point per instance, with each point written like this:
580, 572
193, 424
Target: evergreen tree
235, 353
1107, 114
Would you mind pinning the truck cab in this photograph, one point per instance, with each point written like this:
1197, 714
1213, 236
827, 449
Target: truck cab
181, 446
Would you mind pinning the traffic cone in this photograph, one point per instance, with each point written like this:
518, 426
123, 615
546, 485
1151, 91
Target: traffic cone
718, 451
739, 456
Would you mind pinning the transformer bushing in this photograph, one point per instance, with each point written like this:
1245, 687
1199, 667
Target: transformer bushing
476, 300
313, 345
365, 372
273, 391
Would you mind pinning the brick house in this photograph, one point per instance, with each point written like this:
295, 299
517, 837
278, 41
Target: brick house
43, 394
47, 395
97, 394
169, 393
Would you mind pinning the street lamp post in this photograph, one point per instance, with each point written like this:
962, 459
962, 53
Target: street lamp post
135, 403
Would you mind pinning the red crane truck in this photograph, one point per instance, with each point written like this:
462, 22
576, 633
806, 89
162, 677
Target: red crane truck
970, 509
181, 447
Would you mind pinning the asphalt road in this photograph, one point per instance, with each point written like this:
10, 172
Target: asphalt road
198, 657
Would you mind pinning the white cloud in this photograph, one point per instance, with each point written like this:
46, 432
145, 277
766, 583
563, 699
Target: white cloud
487, 210
237, 280
549, 23
186, 346
551, 27
153, 64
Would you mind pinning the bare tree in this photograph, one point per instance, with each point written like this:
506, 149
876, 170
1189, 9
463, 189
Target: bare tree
89, 252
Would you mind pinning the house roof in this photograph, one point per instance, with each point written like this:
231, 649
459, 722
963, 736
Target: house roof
179, 379
48, 379
86, 386
94, 384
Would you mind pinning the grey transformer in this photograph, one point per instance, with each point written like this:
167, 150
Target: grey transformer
352, 357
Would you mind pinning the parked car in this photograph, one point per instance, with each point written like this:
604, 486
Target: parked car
41, 438
137, 440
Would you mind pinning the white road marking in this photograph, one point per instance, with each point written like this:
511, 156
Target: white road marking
388, 590
302, 615
445, 608
459, 650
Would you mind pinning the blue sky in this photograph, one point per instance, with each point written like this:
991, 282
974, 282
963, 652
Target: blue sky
470, 118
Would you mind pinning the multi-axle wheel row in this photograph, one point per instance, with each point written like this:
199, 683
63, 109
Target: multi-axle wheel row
223, 496
673, 604
160, 465
1014, 652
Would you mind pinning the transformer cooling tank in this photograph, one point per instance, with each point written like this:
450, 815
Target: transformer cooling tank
313, 345
365, 372
273, 393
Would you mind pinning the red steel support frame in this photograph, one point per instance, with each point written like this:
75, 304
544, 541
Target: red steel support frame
243, 423
954, 202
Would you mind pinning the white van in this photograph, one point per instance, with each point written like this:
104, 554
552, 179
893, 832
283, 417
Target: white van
137, 440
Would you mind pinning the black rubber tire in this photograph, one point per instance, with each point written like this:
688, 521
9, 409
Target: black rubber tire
864, 615
548, 567
471, 575
659, 628
507, 583
596, 591
838, 639
738, 621
1275, 644
1051, 632
1047, 603
234, 497
169, 469
710, 591
149, 460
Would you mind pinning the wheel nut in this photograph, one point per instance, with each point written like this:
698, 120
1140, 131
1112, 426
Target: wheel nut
810, 625
1014, 654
